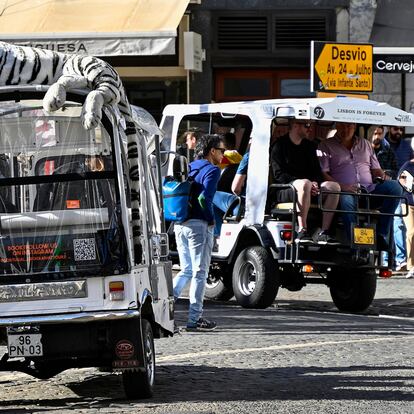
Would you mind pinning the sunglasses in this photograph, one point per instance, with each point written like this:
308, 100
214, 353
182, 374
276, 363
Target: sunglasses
398, 128
306, 125
220, 149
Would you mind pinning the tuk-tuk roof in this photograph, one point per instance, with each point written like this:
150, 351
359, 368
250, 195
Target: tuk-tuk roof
341, 109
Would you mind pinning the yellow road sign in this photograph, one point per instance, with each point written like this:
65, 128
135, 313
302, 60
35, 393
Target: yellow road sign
341, 67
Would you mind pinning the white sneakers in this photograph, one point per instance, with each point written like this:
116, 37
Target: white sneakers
401, 267
410, 274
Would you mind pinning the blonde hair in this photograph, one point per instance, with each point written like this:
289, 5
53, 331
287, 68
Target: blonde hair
95, 163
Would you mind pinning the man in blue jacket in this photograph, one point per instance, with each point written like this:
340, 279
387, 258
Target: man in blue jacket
401, 145
194, 236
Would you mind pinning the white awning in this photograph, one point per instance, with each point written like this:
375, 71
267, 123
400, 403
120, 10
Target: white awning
96, 27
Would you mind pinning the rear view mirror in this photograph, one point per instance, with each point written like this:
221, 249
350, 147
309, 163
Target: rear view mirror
180, 168
406, 180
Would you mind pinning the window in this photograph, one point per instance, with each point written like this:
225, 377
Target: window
247, 84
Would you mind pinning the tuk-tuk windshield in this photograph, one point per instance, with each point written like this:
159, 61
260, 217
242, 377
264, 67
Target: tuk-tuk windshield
57, 194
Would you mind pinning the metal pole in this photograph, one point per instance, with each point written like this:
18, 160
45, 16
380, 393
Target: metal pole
188, 86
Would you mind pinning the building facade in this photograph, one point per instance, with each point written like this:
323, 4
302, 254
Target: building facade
258, 49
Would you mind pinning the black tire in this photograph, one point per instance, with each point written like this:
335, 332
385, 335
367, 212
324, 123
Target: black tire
137, 384
255, 278
46, 370
219, 284
354, 290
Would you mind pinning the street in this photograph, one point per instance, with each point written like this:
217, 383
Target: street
299, 356
255, 144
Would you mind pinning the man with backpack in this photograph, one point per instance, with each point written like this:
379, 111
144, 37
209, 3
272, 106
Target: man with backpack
194, 236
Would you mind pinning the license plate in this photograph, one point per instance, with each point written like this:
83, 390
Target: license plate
364, 236
25, 344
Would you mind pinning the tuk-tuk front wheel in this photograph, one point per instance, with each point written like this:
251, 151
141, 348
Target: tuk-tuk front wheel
140, 384
255, 278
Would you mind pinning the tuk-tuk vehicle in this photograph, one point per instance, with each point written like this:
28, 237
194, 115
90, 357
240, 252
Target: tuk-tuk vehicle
257, 253
74, 290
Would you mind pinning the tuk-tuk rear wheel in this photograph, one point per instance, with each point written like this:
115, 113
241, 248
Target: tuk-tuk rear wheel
353, 290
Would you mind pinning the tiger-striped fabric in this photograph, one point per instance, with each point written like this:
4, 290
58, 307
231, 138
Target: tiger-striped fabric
32, 66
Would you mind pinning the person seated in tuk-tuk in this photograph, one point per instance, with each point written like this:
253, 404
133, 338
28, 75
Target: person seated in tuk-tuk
351, 161
77, 193
294, 161
6, 204
231, 155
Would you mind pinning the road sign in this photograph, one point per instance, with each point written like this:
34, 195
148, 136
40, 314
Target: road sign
341, 67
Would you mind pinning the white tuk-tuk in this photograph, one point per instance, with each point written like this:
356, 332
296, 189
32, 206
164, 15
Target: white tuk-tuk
75, 291
257, 252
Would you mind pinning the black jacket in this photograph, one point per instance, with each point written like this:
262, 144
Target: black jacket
291, 162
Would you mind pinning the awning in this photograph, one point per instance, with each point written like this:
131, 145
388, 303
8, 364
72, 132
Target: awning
96, 27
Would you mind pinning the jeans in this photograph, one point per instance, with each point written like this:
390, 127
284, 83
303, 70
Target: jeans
387, 205
399, 237
221, 202
409, 225
194, 244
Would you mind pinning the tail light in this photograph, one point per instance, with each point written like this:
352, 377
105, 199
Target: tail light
116, 290
286, 233
307, 268
386, 273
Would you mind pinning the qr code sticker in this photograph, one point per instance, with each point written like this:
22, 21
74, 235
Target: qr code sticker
84, 249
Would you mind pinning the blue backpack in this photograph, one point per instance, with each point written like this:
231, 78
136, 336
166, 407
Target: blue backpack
177, 198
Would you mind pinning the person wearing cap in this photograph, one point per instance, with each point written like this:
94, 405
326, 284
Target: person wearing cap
231, 155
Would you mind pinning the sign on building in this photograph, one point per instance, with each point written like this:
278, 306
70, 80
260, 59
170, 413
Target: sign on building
193, 52
341, 67
393, 63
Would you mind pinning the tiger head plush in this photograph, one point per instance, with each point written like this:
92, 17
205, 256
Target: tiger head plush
32, 66
20, 65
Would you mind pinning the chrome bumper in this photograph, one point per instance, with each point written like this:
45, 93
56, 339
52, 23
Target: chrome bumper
80, 317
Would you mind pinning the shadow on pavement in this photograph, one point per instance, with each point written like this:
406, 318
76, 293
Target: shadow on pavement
298, 317
384, 306
290, 383
234, 384
392, 307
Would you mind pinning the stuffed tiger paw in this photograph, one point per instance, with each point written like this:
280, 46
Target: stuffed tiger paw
92, 110
55, 97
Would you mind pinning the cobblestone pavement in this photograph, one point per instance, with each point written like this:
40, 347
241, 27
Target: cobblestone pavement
290, 358
394, 297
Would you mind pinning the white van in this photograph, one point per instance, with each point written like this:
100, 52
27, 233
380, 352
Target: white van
257, 252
